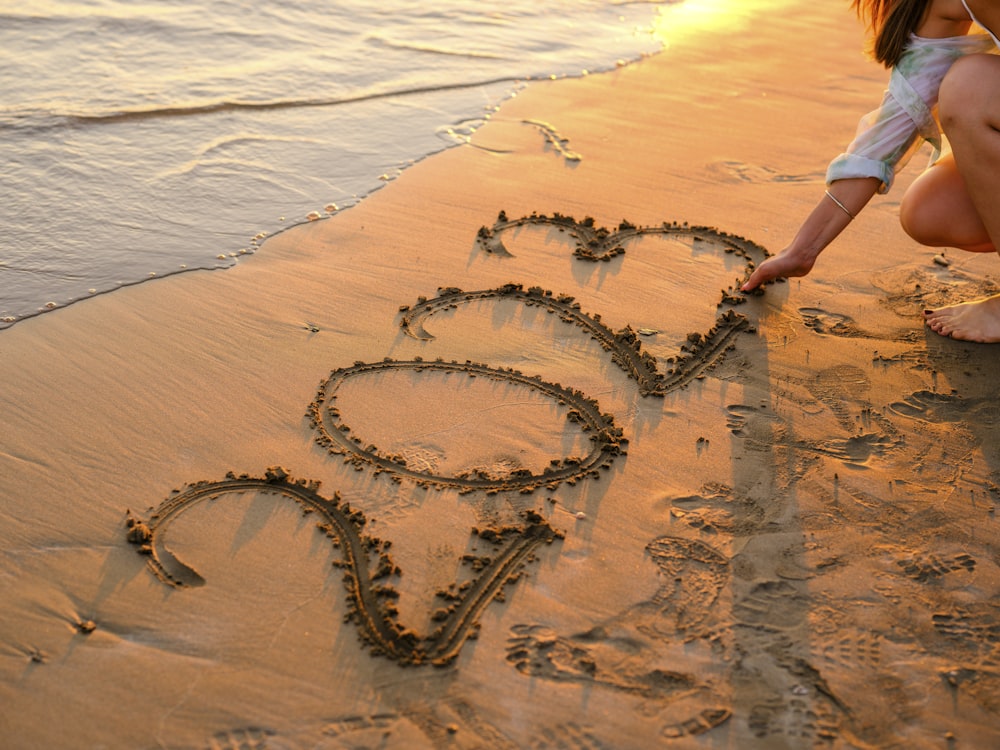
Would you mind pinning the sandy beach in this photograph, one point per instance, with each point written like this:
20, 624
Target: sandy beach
499, 458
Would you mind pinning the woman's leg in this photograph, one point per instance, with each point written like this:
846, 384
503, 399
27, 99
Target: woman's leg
937, 210
970, 113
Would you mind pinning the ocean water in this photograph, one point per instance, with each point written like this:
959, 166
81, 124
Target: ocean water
141, 138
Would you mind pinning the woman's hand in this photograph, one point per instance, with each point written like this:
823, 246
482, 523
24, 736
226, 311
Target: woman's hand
828, 219
785, 264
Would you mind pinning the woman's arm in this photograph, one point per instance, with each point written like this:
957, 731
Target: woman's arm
821, 227
886, 139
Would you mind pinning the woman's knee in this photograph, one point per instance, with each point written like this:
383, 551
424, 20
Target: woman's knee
919, 210
936, 210
967, 89
915, 218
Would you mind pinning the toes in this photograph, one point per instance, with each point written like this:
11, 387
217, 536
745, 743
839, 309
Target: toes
939, 326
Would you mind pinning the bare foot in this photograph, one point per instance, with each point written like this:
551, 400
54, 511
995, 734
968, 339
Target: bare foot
977, 321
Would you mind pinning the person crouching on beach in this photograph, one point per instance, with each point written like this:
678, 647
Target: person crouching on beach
934, 61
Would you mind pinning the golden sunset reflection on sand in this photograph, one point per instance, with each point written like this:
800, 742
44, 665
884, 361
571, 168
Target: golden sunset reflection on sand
677, 21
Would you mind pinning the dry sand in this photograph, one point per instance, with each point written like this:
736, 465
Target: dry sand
784, 537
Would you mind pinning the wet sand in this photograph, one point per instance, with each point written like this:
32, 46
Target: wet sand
499, 458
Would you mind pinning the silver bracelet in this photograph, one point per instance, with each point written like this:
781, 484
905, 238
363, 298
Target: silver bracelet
844, 208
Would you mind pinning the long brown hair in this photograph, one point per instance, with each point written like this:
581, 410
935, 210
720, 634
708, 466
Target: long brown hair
891, 23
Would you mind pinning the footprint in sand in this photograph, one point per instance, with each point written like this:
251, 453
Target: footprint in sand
924, 568
853, 659
828, 323
616, 653
538, 651
692, 575
859, 650
854, 450
909, 290
776, 604
569, 736
411, 728
249, 738
942, 445
839, 387
738, 171
594, 659
931, 407
762, 429
974, 627
972, 637
711, 511
705, 720
784, 722
981, 684
843, 389
810, 711
357, 724
947, 407
833, 324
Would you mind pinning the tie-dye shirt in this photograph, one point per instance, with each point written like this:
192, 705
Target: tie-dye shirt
889, 136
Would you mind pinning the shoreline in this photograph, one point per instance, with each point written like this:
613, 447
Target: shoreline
794, 542
188, 206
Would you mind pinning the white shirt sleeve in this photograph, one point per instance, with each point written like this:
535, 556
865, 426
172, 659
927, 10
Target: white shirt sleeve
888, 136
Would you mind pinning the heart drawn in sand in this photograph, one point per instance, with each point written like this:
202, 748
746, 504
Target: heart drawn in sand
365, 559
